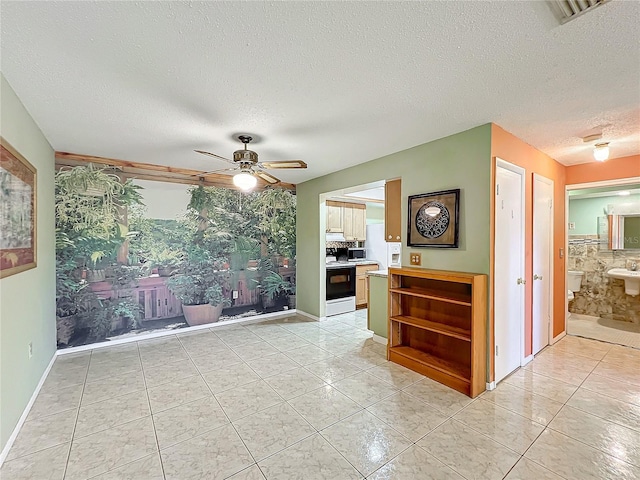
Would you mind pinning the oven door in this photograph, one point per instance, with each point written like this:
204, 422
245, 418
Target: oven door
341, 282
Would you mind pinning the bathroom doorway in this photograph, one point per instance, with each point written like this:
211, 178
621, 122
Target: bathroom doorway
603, 254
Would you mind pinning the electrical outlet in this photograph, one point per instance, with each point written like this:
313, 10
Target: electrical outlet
416, 258
572, 225
30, 349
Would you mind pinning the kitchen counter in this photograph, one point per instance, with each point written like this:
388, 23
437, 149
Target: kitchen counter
349, 264
378, 273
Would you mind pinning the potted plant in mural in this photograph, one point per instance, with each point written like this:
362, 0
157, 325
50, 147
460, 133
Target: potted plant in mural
198, 286
90, 220
275, 291
70, 298
254, 228
164, 260
114, 314
275, 210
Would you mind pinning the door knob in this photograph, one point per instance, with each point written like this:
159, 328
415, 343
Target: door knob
521, 281
537, 277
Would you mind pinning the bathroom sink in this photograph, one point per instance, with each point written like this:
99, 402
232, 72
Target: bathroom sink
631, 279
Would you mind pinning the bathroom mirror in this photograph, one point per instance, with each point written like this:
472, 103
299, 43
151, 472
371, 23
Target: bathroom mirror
623, 232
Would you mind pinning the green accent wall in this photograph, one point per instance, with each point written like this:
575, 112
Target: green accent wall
460, 161
584, 212
378, 305
27, 299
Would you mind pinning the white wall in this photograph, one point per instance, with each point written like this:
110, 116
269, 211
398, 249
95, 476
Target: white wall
27, 299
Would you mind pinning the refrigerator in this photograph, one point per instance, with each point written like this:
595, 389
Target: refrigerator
376, 245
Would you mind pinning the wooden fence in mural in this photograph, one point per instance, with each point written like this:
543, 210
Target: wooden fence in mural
156, 300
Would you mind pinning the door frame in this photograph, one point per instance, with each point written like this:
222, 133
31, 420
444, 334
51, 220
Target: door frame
500, 163
576, 186
548, 181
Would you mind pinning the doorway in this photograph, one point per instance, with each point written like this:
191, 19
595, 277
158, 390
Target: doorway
509, 269
603, 236
542, 261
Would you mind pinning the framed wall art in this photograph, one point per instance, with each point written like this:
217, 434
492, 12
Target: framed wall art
18, 213
434, 219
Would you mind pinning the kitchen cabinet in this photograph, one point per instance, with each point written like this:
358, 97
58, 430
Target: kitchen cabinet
350, 219
393, 210
362, 289
335, 217
355, 222
360, 223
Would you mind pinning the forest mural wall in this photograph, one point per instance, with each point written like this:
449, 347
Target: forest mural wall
121, 273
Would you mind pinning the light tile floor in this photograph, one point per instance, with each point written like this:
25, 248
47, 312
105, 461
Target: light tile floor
294, 399
612, 331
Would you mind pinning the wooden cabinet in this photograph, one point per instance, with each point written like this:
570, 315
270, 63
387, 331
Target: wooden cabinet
355, 222
437, 325
359, 223
347, 218
393, 211
334, 217
362, 287
361, 290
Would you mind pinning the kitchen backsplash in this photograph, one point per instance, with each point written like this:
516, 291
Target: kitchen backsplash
599, 294
341, 244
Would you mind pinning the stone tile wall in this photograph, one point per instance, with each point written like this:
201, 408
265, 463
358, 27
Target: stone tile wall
601, 295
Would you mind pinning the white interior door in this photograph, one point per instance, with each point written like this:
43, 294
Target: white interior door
542, 260
508, 269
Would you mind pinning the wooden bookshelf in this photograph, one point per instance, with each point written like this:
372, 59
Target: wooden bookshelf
437, 325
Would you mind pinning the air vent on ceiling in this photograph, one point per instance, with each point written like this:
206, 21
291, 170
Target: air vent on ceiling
566, 10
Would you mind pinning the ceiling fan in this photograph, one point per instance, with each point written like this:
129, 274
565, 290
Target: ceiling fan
246, 161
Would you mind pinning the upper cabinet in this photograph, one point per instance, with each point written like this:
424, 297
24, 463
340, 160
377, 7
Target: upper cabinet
334, 217
392, 211
355, 222
350, 219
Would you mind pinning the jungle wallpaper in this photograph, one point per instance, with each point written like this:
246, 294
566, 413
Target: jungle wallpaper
120, 272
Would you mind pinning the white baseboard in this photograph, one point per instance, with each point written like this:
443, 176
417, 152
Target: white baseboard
526, 360
379, 339
491, 385
312, 317
25, 413
559, 337
147, 336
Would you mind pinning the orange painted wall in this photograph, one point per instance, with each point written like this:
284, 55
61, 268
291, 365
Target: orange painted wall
616, 168
513, 150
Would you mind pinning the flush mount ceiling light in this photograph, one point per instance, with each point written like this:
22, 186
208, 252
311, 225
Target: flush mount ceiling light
624, 193
601, 151
244, 180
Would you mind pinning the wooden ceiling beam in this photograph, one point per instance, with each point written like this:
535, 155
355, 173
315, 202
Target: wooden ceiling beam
161, 173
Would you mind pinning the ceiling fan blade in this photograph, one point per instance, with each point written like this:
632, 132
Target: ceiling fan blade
284, 164
267, 177
214, 155
203, 174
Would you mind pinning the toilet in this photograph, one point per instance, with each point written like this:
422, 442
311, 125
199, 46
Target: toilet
574, 280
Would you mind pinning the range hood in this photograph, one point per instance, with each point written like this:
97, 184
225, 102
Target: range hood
335, 237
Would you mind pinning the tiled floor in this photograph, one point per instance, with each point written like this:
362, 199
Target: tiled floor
612, 331
293, 399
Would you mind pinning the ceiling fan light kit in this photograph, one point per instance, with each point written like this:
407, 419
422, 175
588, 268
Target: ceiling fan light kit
250, 168
244, 180
601, 151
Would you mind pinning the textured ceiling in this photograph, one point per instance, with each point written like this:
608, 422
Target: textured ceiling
331, 83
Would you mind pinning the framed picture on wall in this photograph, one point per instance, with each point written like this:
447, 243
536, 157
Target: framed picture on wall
18, 213
434, 219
